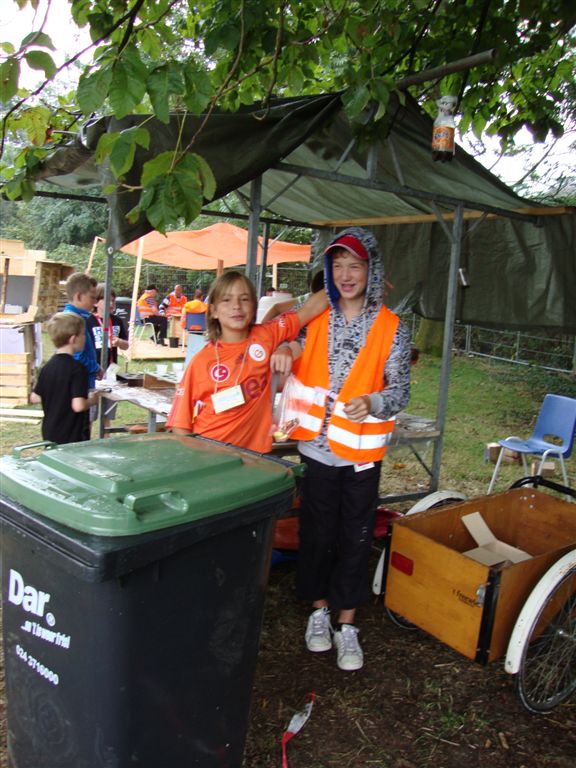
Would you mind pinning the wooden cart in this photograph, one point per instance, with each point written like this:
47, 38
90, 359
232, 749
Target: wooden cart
438, 578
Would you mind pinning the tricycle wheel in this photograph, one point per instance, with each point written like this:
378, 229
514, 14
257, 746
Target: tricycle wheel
400, 621
547, 672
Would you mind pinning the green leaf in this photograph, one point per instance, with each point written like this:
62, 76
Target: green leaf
162, 82
93, 89
226, 36
478, 124
381, 93
157, 87
100, 24
198, 89
128, 83
161, 165
355, 100
195, 164
19, 189
12, 189
124, 148
35, 122
174, 192
151, 43
41, 60
9, 74
160, 204
208, 179
295, 79
40, 39
7, 48
105, 145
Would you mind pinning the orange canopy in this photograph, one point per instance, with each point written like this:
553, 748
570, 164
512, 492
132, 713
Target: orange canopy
204, 248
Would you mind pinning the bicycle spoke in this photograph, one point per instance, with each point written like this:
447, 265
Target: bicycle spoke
547, 673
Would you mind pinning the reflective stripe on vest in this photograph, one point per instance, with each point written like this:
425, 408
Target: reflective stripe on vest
309, 410
359, 442
356, 441
146, 306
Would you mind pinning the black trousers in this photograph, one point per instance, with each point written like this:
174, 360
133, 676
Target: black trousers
160, 323
337, 517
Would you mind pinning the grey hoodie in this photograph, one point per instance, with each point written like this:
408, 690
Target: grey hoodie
345, 341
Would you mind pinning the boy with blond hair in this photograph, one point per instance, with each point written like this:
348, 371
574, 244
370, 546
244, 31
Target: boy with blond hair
62, 385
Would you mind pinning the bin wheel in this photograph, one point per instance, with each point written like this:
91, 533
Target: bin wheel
432, 501
547, 671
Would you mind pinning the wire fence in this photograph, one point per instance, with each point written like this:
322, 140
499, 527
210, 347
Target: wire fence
551, 351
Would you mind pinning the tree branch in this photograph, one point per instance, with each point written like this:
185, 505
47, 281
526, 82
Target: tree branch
130, 14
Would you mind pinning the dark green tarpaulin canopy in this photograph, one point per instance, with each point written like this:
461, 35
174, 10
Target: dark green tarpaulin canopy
299, 160
520, 263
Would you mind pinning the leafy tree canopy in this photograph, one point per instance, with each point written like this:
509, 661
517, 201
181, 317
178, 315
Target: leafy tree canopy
157, 57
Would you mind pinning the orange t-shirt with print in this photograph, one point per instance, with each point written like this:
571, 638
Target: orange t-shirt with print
220, 366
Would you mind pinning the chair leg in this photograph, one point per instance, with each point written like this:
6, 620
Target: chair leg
153, 331
496, 470
564, 474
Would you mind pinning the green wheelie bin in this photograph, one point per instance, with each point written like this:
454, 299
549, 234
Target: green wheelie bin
134, 572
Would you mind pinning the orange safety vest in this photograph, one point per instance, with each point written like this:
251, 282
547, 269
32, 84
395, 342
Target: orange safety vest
175, 304
146, 305
355, 441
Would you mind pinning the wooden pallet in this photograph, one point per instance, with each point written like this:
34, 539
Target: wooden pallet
15, 379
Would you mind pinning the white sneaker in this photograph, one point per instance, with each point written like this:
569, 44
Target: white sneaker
319, 631
350, 656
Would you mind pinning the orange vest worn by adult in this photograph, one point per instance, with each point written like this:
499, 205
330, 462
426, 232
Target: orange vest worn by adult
175, 304
147, 305
355, 441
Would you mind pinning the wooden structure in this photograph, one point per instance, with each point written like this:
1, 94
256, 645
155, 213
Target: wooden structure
30, 292
146, 349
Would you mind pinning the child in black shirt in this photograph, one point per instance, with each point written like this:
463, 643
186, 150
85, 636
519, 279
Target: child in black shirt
62, 385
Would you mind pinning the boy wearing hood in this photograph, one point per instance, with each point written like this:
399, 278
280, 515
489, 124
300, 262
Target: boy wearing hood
356, 367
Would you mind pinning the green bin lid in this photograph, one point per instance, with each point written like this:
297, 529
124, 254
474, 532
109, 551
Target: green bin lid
135, 484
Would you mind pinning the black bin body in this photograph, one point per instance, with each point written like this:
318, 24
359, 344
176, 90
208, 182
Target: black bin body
137, 650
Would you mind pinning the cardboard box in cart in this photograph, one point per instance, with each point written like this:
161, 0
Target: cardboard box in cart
469, 605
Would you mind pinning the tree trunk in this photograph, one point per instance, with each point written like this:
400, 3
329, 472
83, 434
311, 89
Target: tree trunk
430, 337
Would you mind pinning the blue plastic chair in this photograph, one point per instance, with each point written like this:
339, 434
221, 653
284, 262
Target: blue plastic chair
195, 322
553, 435
196, 339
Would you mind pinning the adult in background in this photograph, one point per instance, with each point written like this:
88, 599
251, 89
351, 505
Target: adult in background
173, 304
356, 364
197, 306
150, 313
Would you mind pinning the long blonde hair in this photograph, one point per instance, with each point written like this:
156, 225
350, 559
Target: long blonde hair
217, 290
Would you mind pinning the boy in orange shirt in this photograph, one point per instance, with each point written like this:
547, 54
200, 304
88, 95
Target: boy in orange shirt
226, 391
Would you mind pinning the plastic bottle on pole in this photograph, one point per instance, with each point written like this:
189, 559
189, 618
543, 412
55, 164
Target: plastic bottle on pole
443, 146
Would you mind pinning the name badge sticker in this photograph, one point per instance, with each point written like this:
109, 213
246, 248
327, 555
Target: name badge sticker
362, 467
228, 398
